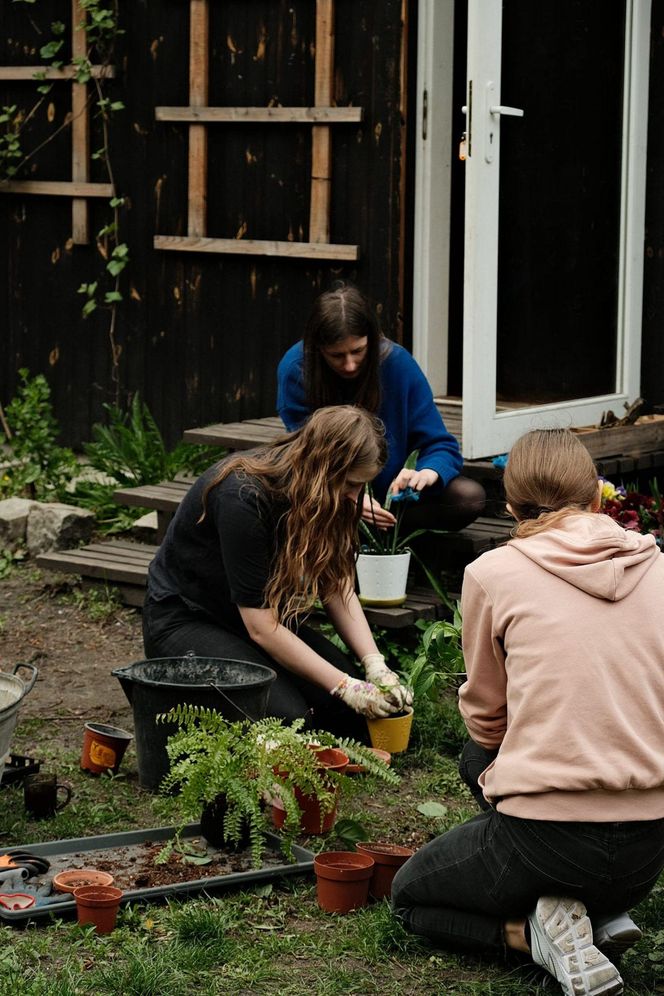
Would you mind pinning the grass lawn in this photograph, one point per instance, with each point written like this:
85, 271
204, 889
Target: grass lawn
244, 943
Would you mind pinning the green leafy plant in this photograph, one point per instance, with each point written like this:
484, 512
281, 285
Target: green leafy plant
248, 763
440, 661
129, 451
386, 542
40, 467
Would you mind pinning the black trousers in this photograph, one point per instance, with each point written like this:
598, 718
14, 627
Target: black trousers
459, 889
451, 507
171, 629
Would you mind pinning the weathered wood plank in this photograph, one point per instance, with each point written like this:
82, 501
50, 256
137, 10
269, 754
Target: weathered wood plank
321, 149
236, 435
261, 115
647, 433
163, 497
198, 97
80, 129
56, 188
64, 74
257, 247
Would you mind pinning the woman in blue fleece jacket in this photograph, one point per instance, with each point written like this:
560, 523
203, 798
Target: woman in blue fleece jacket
344, 359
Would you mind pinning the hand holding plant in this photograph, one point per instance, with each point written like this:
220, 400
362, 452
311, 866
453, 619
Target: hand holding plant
379, 674
365, 698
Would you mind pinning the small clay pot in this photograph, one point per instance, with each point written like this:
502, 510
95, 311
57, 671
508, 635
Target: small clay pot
342, 880
78, 878
358, 769
388, 858
99, 905
330, 758
103, 747
312, 820
393, 733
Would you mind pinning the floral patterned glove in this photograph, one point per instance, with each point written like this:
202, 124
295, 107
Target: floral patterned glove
365, 698
379, 674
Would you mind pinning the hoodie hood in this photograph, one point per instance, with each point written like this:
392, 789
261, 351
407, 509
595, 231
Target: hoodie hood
593, 553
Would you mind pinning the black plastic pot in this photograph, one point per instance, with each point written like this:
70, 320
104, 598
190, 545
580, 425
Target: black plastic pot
236, 689
212, 826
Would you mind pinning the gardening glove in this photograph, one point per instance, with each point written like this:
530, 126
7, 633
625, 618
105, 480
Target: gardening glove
378, 673
365, 698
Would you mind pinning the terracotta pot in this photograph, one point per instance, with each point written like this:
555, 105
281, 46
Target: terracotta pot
98, 905
358, 769
103, 747
391, 734
388, 858
312, 820
342, 880
78, 878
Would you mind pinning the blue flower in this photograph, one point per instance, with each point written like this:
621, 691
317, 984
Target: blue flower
500, 461
408, 494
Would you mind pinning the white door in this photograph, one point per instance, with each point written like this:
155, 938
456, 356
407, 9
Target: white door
554, 227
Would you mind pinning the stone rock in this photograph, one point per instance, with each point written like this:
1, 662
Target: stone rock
14, 514
145, 528
53, 526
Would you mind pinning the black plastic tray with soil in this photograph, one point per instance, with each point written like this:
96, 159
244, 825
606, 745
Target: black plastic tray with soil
129, 857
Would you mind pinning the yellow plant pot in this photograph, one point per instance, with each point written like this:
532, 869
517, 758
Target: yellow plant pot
391, 734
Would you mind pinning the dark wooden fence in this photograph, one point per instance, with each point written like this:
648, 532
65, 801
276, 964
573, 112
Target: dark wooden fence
200, 334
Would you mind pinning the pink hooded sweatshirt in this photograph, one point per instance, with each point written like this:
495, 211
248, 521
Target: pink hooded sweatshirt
563, 637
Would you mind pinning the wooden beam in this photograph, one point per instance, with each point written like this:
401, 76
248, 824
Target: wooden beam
256, 247
261, 115
198, 97
80, 129
56, 188
321, 147
39, 73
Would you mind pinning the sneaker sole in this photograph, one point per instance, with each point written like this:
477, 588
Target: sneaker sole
564, 945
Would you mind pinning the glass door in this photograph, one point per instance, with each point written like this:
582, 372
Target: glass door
556, 110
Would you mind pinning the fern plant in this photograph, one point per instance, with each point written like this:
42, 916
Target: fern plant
250, 763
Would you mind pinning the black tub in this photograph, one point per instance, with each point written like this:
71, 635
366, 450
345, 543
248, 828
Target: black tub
155, 686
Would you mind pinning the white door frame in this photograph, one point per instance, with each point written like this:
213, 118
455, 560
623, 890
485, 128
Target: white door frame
486, 431
433, 179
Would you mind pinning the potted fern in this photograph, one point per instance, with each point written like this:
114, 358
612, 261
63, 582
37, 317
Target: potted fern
234, 772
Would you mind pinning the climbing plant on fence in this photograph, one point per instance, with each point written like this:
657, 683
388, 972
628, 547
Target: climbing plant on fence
95, 29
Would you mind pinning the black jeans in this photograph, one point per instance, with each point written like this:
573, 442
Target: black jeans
459, 889
171, 629
451, 507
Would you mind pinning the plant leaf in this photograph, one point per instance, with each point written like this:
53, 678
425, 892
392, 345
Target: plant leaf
435, 810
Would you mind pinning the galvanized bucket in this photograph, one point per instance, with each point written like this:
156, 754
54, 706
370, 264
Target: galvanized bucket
12, 691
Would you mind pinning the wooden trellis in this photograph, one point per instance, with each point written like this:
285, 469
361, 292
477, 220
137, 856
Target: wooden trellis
198, 115
79, 187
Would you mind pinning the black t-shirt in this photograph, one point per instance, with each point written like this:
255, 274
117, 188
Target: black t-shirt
225, 560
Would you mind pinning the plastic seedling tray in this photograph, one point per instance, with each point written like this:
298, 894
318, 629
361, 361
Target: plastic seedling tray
85, 852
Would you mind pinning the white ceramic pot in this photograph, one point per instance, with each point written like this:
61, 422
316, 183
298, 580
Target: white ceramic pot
382, 578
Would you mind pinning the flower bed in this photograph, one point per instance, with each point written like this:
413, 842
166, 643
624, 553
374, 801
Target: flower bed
634, 510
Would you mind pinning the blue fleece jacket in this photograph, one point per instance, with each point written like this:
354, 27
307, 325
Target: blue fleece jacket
412, 421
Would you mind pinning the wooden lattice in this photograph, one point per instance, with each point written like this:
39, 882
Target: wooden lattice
79, 188
198, 115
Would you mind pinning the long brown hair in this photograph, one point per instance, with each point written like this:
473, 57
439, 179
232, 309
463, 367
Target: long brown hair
337, 314
309, 471
549, 474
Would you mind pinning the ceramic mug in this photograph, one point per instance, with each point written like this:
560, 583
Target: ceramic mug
40, 794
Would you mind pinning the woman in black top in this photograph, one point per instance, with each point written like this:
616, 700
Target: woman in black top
256, 541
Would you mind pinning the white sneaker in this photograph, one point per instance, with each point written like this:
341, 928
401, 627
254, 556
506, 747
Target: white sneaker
561, 940
615, 932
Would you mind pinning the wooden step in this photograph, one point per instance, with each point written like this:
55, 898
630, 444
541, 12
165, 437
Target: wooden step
164, 498
125, 566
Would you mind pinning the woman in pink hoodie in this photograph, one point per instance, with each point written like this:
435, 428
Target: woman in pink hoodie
564, 702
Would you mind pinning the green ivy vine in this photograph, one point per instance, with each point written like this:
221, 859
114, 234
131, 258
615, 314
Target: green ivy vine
102, 29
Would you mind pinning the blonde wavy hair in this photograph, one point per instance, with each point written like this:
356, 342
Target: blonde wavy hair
549, 475
310, 471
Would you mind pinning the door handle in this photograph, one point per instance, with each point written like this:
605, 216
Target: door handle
510, 112
493, 112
